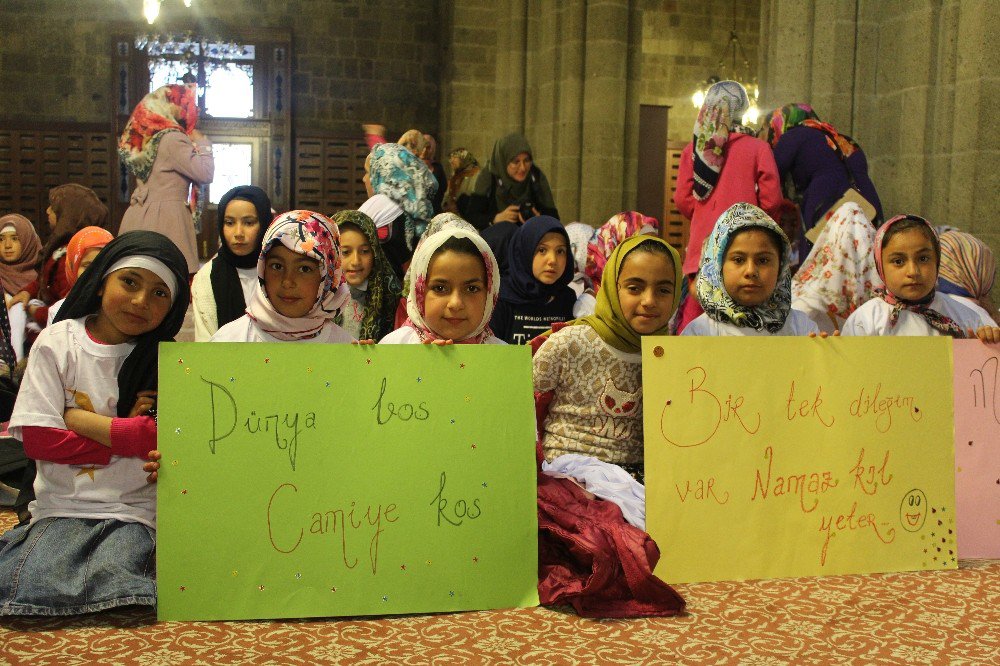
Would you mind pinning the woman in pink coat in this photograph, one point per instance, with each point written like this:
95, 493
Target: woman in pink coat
724, 164
172, 162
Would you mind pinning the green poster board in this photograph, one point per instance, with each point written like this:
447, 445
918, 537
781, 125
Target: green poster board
304, 480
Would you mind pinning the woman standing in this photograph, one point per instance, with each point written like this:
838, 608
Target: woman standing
171, 160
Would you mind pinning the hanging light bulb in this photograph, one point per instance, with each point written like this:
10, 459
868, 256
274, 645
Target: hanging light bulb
698, 98
187, 3
752, 115
150, 9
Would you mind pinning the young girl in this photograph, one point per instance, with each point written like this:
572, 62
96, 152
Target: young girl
81, 251
535, 291
19, 248
300, 285
82, 414
907, 255
454, 291
594, 367
744, 284
375, 289
839, 274
222, 287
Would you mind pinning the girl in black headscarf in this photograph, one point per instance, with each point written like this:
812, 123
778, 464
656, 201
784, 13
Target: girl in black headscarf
222, 287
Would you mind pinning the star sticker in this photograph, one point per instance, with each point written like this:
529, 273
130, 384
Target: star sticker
174, 463
182, 588
368, 361
177, 431
187, 371
184, 492
462, 366
419, 380
468, 398
309, 369
180, 361
453, 421
328, 384
475, 560
298, 576
232, 379
89, 471
235, 573
484, 484
451, 593
260, 587
385, 597
402, 567
473, 446
267, 360
333, 589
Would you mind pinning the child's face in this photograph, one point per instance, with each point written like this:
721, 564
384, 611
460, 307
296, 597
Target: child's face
357, 256
646, 290
550, 258
240, 227
10, 246
519, 167
51, 214
87, 260
909, 265
133, 301
291, 281
456, 294
750, 268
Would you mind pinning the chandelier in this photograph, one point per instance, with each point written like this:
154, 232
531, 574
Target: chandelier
733, 66
151, 9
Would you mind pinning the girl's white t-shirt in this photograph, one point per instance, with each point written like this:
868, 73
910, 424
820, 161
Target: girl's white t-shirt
206, 320
245, 330
66, 368
872, 318
796, 323
407, 335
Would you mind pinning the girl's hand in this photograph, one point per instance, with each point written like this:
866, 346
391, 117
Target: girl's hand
988, 334
144, 402
439, 343
363, 342
508, 214
152, 467
824, 335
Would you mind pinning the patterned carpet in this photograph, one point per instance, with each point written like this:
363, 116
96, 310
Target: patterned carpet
946, 617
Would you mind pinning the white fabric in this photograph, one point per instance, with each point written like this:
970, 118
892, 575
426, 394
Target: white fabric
585, 305
18, 320
381, 209
206, 319
54, 310
408, 336
607, 481
245, 330
68, 369
151, 264
797, 323
872, 318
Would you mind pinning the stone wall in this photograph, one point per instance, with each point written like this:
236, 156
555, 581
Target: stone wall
354, 60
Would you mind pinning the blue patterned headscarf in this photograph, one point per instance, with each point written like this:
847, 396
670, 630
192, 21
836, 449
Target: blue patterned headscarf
711, 291
403, 177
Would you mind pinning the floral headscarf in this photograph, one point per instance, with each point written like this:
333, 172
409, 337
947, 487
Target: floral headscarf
82, 241
21, 272
610, 234
404, 178
439, 222
710, 289
383, 286
721, 113
580, 235
421, 265
608, 319
312, 235
464, 157
968, 268
839, 274
781, 120
935, 319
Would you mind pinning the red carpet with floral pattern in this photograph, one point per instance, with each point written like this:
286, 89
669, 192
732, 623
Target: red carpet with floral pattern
948, 617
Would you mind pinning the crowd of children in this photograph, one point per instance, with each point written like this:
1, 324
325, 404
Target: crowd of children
583, 298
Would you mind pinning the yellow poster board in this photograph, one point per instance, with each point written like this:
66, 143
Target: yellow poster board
783, 457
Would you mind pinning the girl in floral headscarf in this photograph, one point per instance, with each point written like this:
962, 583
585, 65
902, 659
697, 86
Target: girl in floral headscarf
610, 234
172, 163
723, 165
300, 287
744, 284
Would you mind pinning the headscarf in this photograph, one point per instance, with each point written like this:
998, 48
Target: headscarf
519, 285
535, 188
781, 120
465, 159
21, 272
230, 303
968, 268
75, 207
839, 274
580, 235
935, 319
171, 108
421, 265
439, 222
405, 179
138, 372
312, 235
83, 241
721, 113
610, 234
608, 319
710, 289
383, 286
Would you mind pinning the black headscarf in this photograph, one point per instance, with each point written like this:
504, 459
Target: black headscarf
138, 373
519, 284
229, 302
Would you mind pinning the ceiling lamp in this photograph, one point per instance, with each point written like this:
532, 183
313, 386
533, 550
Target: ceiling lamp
151, 9
733, 66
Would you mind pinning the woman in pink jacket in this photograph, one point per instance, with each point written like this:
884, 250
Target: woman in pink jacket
724, 164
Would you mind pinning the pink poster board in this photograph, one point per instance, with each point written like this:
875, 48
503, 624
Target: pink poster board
977, 449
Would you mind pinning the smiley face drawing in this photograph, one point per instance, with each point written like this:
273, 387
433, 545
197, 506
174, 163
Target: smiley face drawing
913, 510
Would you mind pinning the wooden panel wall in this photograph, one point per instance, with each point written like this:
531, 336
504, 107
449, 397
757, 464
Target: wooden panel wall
329, 172
676, 228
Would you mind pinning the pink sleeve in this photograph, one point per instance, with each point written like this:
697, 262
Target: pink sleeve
63, 446
769, 183
373, 140
186, 160
683, 197
133, 437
